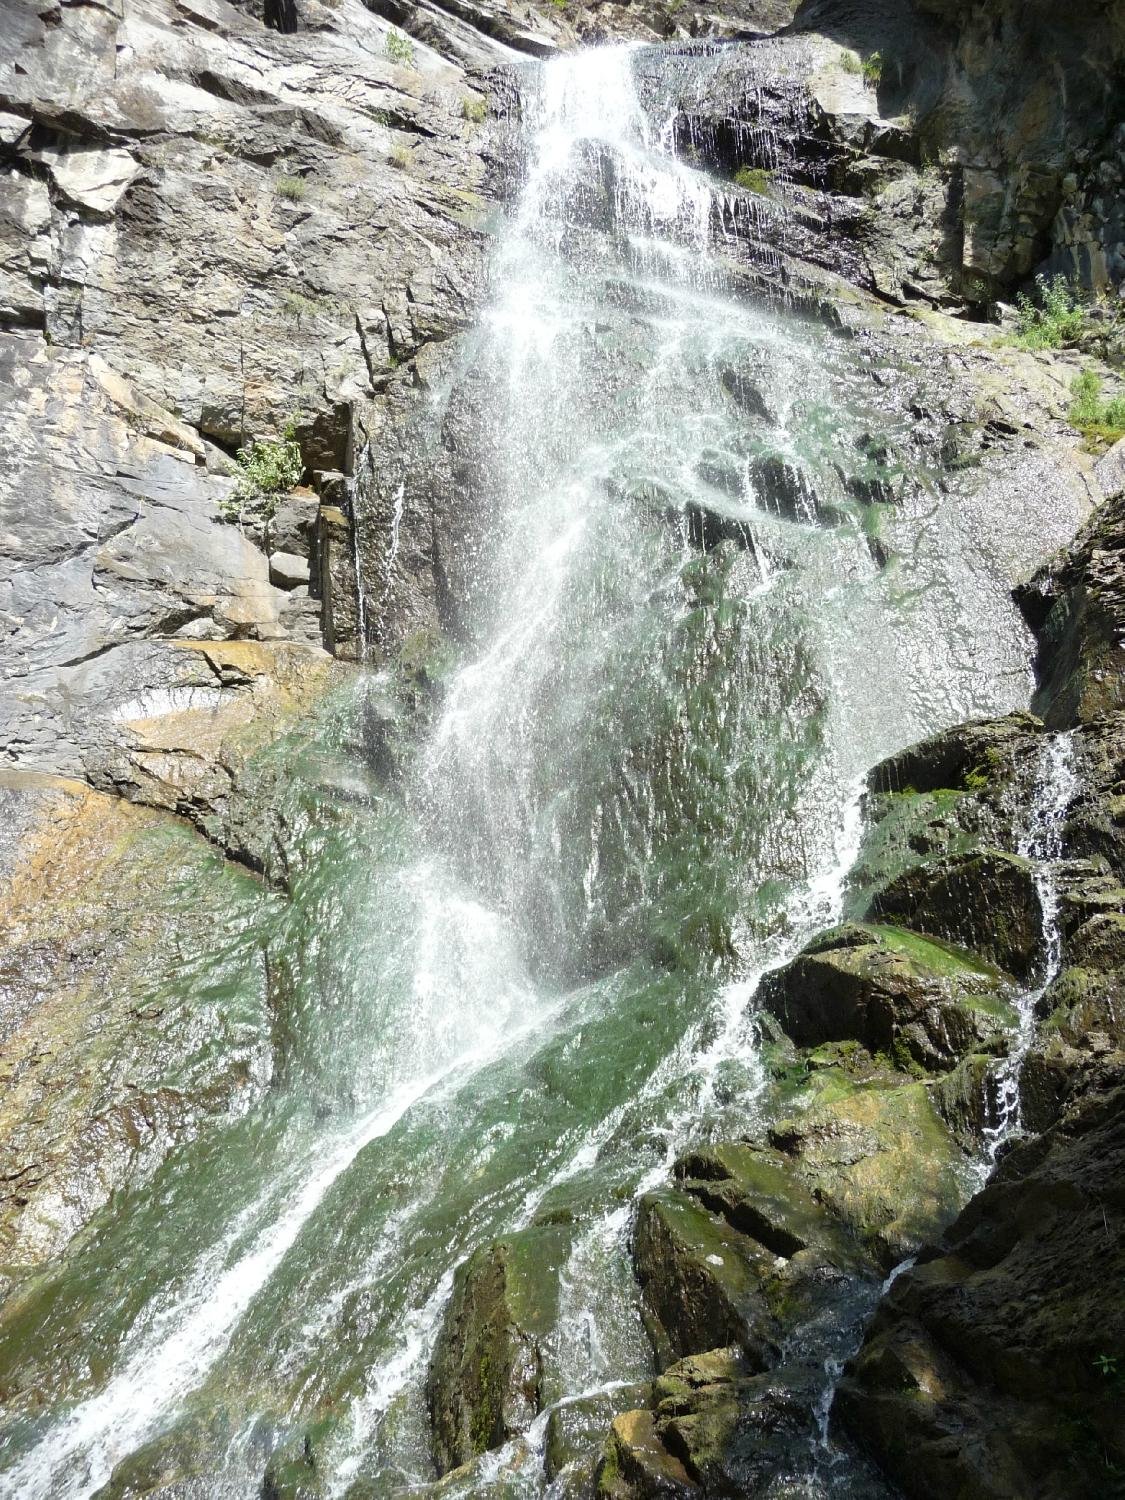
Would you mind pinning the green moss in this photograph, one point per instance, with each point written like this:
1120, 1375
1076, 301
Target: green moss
939, 957
753, 180
473, 109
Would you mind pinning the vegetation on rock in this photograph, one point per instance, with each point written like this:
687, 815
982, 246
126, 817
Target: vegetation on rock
270, 467
753, 180
1053, 318
1100, 419
400, 48
293, 188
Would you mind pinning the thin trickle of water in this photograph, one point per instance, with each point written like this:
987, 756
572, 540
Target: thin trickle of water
396, 524
1042, 842
357, 563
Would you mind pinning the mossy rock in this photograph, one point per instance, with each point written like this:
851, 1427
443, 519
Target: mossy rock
736, 1431
576, 1432
636, 1465
964, 758
962, 1101
879, 1157
717, 1428
704, 1284
484, 1379
922, 1002
756, 1191
986, 901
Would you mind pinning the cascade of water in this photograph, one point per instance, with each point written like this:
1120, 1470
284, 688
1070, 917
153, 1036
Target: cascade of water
639, 796
1056, 786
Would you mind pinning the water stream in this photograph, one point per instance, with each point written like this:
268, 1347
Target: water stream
1056, 786
525, 982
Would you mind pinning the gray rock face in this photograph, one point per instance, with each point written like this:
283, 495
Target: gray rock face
207, 234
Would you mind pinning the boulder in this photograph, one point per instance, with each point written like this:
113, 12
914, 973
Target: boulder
878, 1158
483, 1385
987, 901
288, 570
918, 1001
992, 1368
703, 1282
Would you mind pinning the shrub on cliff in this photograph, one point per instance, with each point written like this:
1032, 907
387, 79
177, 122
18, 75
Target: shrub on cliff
1053, 317
270, 467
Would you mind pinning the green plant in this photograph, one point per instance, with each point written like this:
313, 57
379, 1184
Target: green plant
297, 306
293, 188
753, 179
400, 48
1107, 1365
851, 63
1056, 318
1102, 423
400, 157
473, 109
269, 467
873, 67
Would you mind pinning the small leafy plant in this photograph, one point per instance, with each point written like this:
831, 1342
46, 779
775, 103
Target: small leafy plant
400, 48
269, 468
1101, 422
1052, 318
473, 109
753, 180
293, 188
873, 67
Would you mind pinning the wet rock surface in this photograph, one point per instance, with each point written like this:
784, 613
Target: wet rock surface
987, 1368
484, 1380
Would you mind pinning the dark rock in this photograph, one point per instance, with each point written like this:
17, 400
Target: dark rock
986, 901
483, 1383
991, 1368
963, 758
704, 1284
1077, 607
916, 1001
786, 490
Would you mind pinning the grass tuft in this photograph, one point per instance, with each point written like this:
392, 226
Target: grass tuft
293, 188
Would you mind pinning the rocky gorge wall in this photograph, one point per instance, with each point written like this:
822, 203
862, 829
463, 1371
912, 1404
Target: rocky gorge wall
216, 223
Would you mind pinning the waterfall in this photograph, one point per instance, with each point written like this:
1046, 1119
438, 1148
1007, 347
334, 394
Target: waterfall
1056, 785
523, 983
